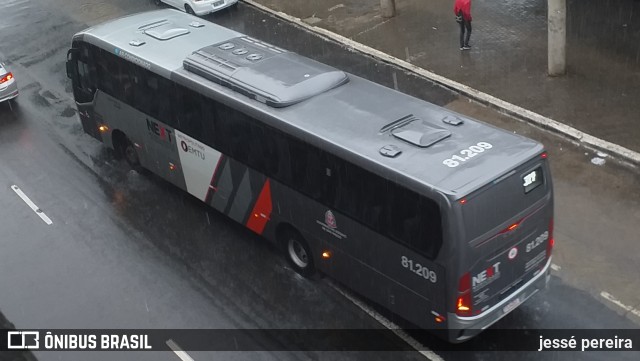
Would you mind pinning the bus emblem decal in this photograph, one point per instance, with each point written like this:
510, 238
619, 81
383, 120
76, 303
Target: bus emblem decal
513, 252
330, 225
330, 220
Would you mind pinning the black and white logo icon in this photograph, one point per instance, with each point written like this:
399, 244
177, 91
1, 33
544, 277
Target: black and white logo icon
20, 340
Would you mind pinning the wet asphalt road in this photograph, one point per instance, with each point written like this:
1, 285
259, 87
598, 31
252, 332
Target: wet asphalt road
130, 251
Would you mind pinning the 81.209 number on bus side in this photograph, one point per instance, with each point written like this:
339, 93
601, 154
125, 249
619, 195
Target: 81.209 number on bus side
467, 154
419, 269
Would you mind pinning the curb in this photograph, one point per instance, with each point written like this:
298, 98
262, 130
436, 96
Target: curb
577, 136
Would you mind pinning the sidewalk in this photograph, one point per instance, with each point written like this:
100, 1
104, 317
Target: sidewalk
600, 95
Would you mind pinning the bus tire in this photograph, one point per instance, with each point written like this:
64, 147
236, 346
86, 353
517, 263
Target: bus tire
298, 254
123, 148
131, 154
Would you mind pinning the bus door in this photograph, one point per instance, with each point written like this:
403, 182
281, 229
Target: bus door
82, 72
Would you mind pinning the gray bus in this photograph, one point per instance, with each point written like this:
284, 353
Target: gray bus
442, 219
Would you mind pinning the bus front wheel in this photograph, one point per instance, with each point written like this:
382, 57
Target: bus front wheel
123, 148
298, 254
131, 155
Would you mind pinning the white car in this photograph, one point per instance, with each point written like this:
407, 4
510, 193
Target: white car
8, 85
199, 7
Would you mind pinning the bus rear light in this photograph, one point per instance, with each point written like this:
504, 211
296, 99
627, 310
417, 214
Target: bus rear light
465, 283
463, 201
511, 227
551, 241
544, 155
326, 254
463, 304
103, 128
463, 307
439, 319
172, 166
6, 78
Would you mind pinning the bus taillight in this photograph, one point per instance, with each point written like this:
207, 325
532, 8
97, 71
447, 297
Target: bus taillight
463, 304
551, 241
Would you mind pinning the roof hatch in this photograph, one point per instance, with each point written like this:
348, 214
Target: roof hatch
163, 30
419, 133
263, 72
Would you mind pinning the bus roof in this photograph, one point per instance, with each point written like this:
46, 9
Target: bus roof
395, 135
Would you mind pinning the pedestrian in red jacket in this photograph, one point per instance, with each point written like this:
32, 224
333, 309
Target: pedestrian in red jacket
462, 9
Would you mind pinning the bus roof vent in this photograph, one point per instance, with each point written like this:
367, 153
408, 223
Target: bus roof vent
420, 133
163, 30
264, 72
453, 120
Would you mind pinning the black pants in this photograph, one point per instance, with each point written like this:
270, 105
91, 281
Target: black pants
464, 41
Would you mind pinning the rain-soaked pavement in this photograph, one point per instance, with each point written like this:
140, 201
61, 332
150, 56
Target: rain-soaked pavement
130, 251
508, 58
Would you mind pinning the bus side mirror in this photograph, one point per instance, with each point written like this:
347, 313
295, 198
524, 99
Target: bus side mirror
72, 63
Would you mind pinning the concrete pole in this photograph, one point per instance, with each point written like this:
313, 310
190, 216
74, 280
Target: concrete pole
557, 36
388, 8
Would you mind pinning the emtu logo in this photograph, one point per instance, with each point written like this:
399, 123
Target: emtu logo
20, 340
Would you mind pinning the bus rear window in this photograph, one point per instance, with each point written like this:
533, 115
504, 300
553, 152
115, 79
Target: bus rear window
501, 201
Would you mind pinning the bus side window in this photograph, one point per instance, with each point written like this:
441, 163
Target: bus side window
127, 81
306, 169
191, 117
142, 92
372, 196
152, 86
283, 170
404, 207
208, 120
105, 79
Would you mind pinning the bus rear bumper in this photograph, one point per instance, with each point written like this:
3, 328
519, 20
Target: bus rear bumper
464, 328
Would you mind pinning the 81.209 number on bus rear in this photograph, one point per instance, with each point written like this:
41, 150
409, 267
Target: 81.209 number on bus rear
419, 269
467, 154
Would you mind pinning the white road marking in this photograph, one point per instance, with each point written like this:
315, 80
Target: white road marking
555, 267
424, 351
31, 205
336, 7
178, 351
609, 297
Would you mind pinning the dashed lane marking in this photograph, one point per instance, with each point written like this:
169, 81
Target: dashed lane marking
31, 205
424, 351
178, 351
609, 297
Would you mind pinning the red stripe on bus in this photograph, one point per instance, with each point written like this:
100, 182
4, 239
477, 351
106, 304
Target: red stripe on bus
209, 195
261, 212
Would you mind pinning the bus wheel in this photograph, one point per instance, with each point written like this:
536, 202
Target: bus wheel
189, 10
298, 254
131, 155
